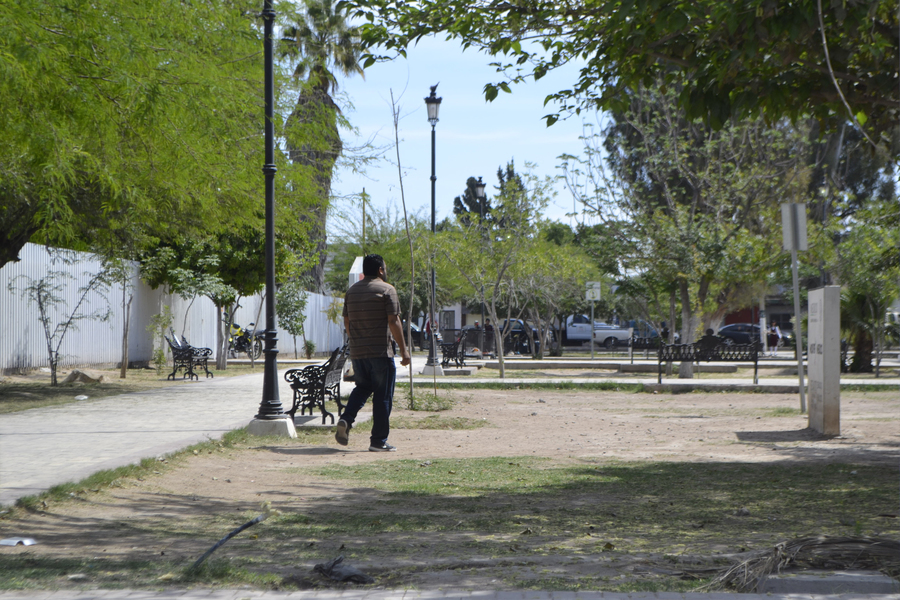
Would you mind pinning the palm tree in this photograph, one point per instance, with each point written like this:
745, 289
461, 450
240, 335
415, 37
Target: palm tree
323, 44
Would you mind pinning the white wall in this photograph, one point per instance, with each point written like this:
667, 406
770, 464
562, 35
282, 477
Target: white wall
22, 338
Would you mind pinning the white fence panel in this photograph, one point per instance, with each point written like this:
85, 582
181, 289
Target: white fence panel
325, 335
22, 341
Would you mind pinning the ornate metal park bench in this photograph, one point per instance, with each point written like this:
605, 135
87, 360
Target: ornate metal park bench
645, 343
316, 384
454, 351
187, 358
709, 348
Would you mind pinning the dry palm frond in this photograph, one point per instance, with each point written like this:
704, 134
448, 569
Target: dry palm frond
877, 554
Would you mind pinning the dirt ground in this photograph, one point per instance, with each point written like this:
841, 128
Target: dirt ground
131, 521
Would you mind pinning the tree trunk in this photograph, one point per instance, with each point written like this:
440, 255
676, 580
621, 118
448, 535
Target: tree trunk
688, 329
221, 340
498, 338
671, 339
17, 216
862, 353
123, 371
54, 362
223, 331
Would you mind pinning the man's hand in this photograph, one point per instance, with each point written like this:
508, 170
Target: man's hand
396, 327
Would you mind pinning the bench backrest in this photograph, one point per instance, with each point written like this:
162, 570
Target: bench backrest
704, 349
459, 341
334, 368
179, 352
174, 342
173, 345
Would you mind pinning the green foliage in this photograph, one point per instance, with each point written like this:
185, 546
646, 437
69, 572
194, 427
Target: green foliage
386, 236
309, 347
869, 277
335, 310
290, 305
692, 212
126, 123
427, 401
159, 325
744, 59
470, 204
550, 282
319, 42
485, 256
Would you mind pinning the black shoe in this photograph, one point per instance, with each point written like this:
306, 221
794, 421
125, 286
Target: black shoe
342, 434
385, 447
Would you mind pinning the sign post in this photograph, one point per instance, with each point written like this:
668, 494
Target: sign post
793, 222
592, 293
824, 355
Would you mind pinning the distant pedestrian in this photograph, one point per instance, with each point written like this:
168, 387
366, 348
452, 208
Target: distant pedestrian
372, 318
774, 339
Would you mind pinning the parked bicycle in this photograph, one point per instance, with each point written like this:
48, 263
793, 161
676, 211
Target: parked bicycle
247, 341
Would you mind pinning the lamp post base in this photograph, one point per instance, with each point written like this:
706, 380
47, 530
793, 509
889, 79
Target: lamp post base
280, 427
432, 370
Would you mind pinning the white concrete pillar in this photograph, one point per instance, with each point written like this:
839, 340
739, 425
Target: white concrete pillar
824, 356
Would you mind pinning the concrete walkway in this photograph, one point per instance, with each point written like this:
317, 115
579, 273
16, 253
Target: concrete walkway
45, 447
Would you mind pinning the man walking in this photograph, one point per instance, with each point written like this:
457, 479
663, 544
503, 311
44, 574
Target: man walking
371, 318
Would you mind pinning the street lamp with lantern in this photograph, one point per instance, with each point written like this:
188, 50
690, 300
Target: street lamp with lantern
479, 194
271, 419
433, 104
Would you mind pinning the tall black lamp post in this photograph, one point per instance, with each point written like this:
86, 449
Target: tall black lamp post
433, 103
479, 194
271, 418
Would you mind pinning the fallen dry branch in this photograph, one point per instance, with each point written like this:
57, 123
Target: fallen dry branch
832, 553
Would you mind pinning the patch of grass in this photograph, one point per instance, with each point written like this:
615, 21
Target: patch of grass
430, 511
15, 397
471, 477
225, 573
28, 572
657, 584
438, 422
859, 387
427, 401
557, 584
783, 411
654, 507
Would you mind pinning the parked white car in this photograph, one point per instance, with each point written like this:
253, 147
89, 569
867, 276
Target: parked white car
611, 335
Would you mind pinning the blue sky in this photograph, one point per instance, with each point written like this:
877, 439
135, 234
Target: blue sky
474, 137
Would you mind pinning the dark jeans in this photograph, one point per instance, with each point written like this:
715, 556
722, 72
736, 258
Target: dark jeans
374, 377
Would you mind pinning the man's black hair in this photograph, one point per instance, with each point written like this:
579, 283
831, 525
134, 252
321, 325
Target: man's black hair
371, 264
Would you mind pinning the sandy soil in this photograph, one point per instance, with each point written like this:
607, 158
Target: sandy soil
131, 521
